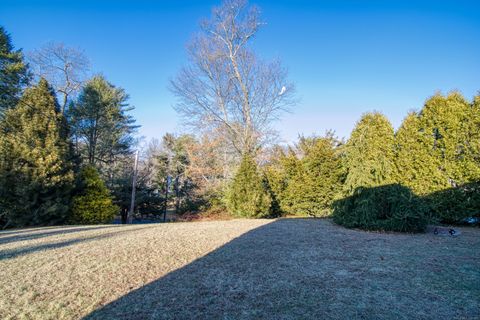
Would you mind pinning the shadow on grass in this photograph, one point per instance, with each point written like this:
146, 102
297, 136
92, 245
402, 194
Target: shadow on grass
23, 236
12, 253
25, 230
294, 269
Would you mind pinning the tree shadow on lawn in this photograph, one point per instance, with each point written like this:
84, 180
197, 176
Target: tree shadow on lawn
17, 231
23, 236
12, 253
307, 268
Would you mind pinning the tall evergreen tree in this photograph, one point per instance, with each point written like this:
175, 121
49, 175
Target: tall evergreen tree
369, 153
248, 195
35, 165
418, 167
101, 125
13, 73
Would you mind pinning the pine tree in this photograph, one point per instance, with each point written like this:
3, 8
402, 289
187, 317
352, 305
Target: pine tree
418, 167
100, 122
317, 180
369, 153
35, 161
92, 202
248, 195
13, 73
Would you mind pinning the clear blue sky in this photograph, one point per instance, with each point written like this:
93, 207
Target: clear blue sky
345, 57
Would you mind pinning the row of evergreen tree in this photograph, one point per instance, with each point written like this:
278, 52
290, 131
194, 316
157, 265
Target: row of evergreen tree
434, 155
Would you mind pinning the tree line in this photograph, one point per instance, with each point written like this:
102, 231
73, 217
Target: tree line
68, 137
229, 94
432, 160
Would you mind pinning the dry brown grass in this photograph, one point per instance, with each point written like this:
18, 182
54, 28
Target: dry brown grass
274, 269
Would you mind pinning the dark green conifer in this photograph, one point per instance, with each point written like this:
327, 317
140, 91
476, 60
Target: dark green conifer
35, 161
247, 195
13, 73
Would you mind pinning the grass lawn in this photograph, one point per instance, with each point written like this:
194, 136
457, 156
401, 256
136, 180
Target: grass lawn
238, 269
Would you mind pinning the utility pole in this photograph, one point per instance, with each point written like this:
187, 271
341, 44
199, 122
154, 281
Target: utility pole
134, 184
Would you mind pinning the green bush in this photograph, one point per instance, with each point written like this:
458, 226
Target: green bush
318, 179
386, 208
455, 204
92, 204
248, 195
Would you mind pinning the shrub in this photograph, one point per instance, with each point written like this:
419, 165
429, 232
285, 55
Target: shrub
455, 204
92, 203
278, 172
386, 208
317, 180
248, 195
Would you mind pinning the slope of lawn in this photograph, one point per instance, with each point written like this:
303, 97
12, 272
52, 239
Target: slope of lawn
237, 269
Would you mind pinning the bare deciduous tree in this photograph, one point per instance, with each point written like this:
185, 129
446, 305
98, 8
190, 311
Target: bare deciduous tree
65, 68
225, 86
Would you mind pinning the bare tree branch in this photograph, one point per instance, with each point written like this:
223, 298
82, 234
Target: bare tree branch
66, 69
226, 87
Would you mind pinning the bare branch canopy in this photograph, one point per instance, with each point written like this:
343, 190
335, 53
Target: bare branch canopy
226, 86
65, 68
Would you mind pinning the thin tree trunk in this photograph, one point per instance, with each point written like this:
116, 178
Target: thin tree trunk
177, 196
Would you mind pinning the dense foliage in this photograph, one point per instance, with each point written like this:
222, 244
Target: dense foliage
389, 208
101, 125
454, 205
369, 153
417, 166
36, 174
316, 179
92, 202
247, 195
453, 122
14, 73
438, 156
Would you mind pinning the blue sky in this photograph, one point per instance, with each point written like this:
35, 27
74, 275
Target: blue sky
345, 57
